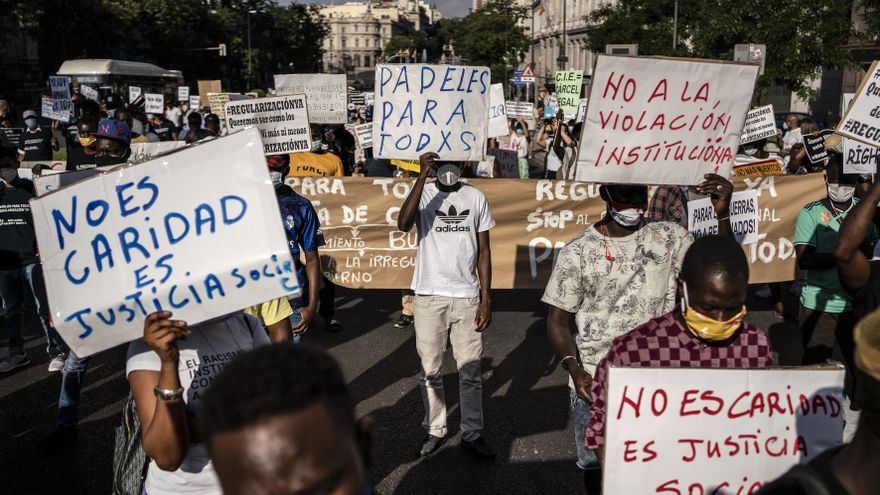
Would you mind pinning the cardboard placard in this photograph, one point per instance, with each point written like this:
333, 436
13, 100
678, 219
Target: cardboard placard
431, 108
364, 134
154, 103
522, 109
568, 90
663, 120
183, 93
760, 124
551, 106
497, 113
283, 122
327, 95
142, 152
208, 86
217, 102
690, 430
121, 245
862, 119
744, 217
60, 86
758, 168
47, 110
51, 180
507, 161
89, 92
194, 101
582, 111
814, 145
858, 157
133, 93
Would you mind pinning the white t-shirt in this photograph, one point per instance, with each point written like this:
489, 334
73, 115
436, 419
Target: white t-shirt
203, 355
792, 138
448, 225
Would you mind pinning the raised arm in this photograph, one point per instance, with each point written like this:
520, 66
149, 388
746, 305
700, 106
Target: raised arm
853, 267
720, 190
407, 216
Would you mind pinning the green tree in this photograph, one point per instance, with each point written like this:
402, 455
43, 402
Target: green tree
802, 38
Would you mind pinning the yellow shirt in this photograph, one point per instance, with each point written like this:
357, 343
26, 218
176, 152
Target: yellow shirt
310, 164
271, 312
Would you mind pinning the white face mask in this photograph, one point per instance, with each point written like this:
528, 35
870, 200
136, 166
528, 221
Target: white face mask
840, 193
316, 145
448, 174
8, 174
628, 217
277, 178
750, 151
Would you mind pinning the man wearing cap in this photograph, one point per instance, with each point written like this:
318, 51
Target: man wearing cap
35, 143
452, 280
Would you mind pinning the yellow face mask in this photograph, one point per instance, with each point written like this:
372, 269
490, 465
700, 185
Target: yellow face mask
87, 142
709, 328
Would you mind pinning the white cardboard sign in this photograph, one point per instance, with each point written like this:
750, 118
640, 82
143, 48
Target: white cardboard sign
663, 121
182, 93
121, 245
862, 119
154, 103
133, 93
760, 124
47, 109
327, 95
194, 102
744, 217
431, 108
582, 111
522, 109
60, 86
143, 152
497, 114
364, 133
710, 430
858, 158
89, 92
283, 122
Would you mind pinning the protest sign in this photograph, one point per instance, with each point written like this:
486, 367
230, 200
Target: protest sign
862, 119
133, 93
10, 136
497, 114
814, 145
486, 168
522, 109
508, 166
194, 101
154, 103
327, 95
535, 219
431, 108
663, 120
364, 133
409, 165
47, 109
858, 158
568, 90
89, 92
121, 245
716, 430
744, 217
760, 124
758, 168
369, 98
551, 106
142, 152
283, 122
582, 111
60, 86
182, 93
208, 86
217, 102
50, 180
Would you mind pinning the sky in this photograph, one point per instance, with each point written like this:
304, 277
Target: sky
449, 8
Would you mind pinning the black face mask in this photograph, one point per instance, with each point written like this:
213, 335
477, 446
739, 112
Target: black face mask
104, 160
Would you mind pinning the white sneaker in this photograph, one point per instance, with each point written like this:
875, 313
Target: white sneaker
13, 362
57, 363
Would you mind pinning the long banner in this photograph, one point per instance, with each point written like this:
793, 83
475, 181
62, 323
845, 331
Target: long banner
534, 220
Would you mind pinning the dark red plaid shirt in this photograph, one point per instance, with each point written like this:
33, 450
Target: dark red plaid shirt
664, 343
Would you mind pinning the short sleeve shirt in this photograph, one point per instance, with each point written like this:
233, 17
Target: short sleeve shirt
818, 227
302, 227
610, 298
315, 165
36, 145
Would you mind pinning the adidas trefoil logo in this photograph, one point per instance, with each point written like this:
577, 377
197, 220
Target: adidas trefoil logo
452, 218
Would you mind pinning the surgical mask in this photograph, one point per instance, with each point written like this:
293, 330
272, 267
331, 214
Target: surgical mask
708, 328
31, 123
750, 151
519, 132
448, 174
316, 145
277, 178
87, 142
840, 193
8, 174
627, 217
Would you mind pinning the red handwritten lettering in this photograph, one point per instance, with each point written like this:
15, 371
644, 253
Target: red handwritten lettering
687, 399
659, 91
625, 400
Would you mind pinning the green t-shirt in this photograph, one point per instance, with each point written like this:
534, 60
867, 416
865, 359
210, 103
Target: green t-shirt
819, 227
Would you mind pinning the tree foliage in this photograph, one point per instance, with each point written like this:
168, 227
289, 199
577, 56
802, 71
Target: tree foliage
802, 38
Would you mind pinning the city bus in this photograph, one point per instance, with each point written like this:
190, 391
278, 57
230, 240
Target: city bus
115, 76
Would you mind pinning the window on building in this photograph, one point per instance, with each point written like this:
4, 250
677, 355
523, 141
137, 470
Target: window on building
357, 42
357, 60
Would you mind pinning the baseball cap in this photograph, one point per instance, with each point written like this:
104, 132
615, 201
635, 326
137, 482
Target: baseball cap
29, 114
277, 162
114, 129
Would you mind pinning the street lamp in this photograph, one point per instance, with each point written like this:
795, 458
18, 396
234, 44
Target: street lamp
250, 67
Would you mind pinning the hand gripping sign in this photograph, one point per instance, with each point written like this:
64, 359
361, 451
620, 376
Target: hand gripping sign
197, 232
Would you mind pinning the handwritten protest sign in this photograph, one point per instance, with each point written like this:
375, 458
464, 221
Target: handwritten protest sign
506, 160
60, 86
862, 119
208, 86
121, 245
582, 111
217, 102
760, 124
142, 152
551, 106
522, 109
327, 95
89, 92
364, 133
758, 168
47, 109
663, 121
486, 168
194, 102
437, 108
154, 103
51, 180
283, 122
497, 114
182, 93
858, 158
814, 145
744, 217
716, 430
134, 92
568, 90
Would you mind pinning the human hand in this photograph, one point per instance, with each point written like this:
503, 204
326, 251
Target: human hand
484, 316
161, 332
720, 190
426, 162
582, 382
306, 313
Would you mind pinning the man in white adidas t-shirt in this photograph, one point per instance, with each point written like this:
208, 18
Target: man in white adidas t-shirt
453, 221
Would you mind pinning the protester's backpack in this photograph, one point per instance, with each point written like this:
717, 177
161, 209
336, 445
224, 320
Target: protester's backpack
129, 458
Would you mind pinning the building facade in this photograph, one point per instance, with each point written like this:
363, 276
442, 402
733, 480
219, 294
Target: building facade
559, 39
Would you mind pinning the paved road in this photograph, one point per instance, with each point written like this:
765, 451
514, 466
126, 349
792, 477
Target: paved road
525, 405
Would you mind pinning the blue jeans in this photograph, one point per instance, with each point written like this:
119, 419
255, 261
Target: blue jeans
71, 383
580, 414
296, 317
12, 287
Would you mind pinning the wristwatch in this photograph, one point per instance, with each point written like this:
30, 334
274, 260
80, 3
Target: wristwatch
167, 395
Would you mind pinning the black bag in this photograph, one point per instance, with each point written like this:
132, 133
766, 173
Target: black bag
129, 458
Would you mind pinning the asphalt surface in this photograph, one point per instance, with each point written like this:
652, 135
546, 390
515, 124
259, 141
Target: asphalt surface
525, 404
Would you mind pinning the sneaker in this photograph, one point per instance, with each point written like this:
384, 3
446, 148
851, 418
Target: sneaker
333, 325
404, 321
57, 363
14, 361
479, 447
431, 445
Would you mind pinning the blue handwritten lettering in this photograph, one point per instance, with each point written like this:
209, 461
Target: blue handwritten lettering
74, 280
60, 222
